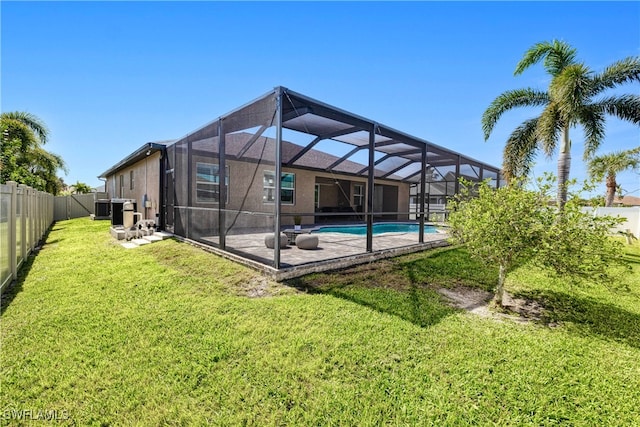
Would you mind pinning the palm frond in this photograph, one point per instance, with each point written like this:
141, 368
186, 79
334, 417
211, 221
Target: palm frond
557, 55
520, 150
593, 121
625, 107
549, 126
506, 101
623, 71
571, 88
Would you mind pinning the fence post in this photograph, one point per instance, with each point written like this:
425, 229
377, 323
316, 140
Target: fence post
23, 221
13, 258
36, 217
32, 217
39, 213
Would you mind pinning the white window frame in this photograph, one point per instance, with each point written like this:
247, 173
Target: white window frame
359, 195
213, 183
269, 187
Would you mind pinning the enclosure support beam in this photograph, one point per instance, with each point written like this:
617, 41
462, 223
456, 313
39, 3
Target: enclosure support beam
392, 171
187, 219
251, 141
386, 157
370, 183
222, 179
457, 184
278, 181
343, 158
318, 139
423, 185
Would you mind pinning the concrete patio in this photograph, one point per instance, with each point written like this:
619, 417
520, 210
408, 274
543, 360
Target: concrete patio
335, 251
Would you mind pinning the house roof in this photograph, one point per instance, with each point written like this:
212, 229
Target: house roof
627, 201
140, 154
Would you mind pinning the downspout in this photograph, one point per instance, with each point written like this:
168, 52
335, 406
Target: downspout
161, 208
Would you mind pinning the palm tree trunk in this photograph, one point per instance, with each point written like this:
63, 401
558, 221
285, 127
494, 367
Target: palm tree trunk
564, 165
611, 189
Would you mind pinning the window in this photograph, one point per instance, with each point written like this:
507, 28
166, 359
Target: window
208, 183
316, 196
131, 180
287, 190
358, 196
121, 186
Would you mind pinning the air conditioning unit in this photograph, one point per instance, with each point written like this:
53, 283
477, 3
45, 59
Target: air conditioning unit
103, 208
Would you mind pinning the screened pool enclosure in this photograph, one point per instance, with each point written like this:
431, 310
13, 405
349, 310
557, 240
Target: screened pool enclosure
286, 158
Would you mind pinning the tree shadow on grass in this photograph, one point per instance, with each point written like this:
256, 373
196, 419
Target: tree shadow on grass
14, 288
406, 286
449, 267
382, 286
588, 316
420, 306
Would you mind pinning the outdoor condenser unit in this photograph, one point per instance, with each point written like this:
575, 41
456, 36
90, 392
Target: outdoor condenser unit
103, 207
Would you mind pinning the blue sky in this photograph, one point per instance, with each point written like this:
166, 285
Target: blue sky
107, 77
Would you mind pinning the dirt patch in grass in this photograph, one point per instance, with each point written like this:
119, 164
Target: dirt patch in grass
480, 302
257, 287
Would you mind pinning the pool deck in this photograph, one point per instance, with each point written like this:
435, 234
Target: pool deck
335, 251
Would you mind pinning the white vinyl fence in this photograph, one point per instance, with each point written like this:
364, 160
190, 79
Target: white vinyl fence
73, 206
631, 216
25, 217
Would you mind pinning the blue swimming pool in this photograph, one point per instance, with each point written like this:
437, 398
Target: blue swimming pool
379, 228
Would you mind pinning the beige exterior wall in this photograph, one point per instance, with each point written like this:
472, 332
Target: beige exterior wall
146, 180
241, 174
146, 175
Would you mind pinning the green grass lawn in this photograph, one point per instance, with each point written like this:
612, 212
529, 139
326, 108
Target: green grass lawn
166, 334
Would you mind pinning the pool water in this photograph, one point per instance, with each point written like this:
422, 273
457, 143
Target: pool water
361, 230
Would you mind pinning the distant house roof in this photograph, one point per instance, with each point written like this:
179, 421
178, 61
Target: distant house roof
140, 154
627, 201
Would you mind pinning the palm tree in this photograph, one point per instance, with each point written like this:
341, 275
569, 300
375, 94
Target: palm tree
609, 165
30, 121
568, 102
81, 188
22, 158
